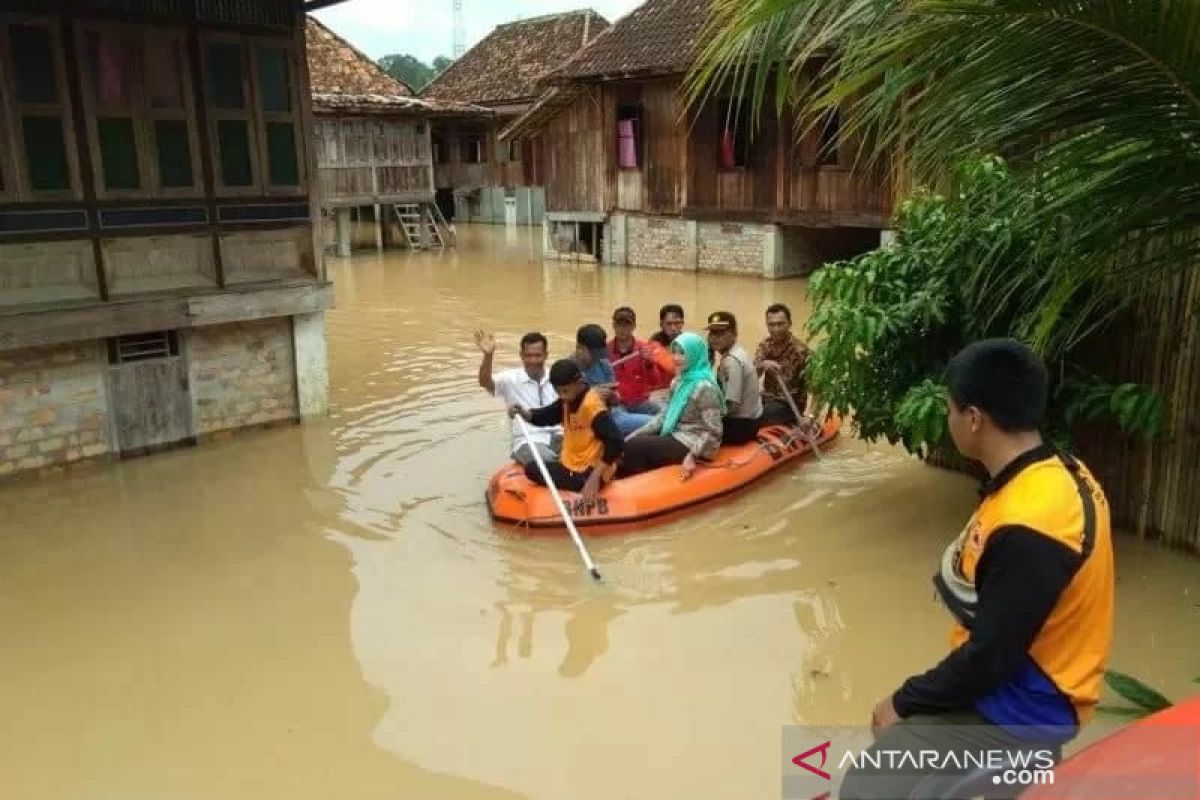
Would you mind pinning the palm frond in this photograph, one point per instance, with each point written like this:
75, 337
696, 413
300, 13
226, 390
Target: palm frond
1096, 102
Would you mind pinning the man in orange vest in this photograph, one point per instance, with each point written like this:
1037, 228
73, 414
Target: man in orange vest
1029, 583
591, 444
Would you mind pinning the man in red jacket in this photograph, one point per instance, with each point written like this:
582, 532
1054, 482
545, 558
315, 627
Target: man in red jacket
644, 366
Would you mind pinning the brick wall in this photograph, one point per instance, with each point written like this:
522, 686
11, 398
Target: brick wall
242, 374
731, 247
659, 242
53, 406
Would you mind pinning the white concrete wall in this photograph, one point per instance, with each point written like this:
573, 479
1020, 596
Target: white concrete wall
312, 364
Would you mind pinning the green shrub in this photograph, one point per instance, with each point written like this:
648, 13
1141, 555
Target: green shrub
962, 267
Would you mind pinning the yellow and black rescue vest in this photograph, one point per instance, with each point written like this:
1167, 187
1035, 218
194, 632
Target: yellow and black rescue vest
1055, 496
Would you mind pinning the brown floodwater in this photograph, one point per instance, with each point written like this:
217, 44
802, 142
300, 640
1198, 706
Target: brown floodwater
326, 611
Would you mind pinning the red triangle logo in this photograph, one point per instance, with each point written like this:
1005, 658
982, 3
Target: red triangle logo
823, 749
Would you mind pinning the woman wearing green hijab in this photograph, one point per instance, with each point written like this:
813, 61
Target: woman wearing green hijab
689, 425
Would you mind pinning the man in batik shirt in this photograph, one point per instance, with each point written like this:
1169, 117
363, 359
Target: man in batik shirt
781, 356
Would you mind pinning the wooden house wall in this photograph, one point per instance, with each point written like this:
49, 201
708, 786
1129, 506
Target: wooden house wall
258, 13
503, 168
665, 142
531, 161
367, 160
746, 188
655, 186
574, 155
679, 170
834, 189
122, 217
498, 168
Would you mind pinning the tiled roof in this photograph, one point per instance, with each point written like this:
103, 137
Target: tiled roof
337, 67
391, 104
658, 37
507, 64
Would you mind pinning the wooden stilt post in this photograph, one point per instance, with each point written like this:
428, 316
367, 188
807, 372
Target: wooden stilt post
378, 228
343, 232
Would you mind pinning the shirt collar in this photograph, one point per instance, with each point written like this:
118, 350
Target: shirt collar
1016, 467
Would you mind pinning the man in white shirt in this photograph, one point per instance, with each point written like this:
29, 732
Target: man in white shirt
738, 379
527, 386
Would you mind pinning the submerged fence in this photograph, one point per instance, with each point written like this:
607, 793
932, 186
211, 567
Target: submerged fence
1154, 487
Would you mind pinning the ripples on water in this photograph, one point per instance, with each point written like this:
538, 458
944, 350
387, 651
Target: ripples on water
727, 606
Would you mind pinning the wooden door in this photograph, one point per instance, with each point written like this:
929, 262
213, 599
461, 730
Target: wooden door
150, 394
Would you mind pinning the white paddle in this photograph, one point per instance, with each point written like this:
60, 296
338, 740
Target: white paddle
562, 508
626, 357
812, 441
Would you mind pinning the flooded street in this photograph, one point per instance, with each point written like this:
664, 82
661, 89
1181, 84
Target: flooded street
326, 611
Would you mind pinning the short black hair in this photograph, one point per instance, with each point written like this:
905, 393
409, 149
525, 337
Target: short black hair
1003, 378
593, 337
780, 308
670, 308
533, 337
564, 372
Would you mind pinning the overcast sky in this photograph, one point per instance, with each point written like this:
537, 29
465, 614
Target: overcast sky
424, 27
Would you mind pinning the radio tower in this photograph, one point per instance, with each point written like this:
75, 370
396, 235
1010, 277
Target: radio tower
460, 33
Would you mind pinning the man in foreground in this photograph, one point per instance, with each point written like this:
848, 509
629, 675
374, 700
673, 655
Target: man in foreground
1029, 583
528, 386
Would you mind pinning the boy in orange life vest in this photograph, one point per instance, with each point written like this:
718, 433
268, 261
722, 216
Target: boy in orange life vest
591, 442
1028, 583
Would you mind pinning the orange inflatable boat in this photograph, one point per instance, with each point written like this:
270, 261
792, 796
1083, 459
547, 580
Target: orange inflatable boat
511, 497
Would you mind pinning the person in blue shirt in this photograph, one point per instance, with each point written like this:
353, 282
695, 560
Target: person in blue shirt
591, 354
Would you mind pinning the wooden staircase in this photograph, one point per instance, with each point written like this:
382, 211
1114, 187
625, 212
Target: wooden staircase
423, 225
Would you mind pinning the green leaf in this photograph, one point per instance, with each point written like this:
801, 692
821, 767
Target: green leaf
1124, 711
1136, 692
